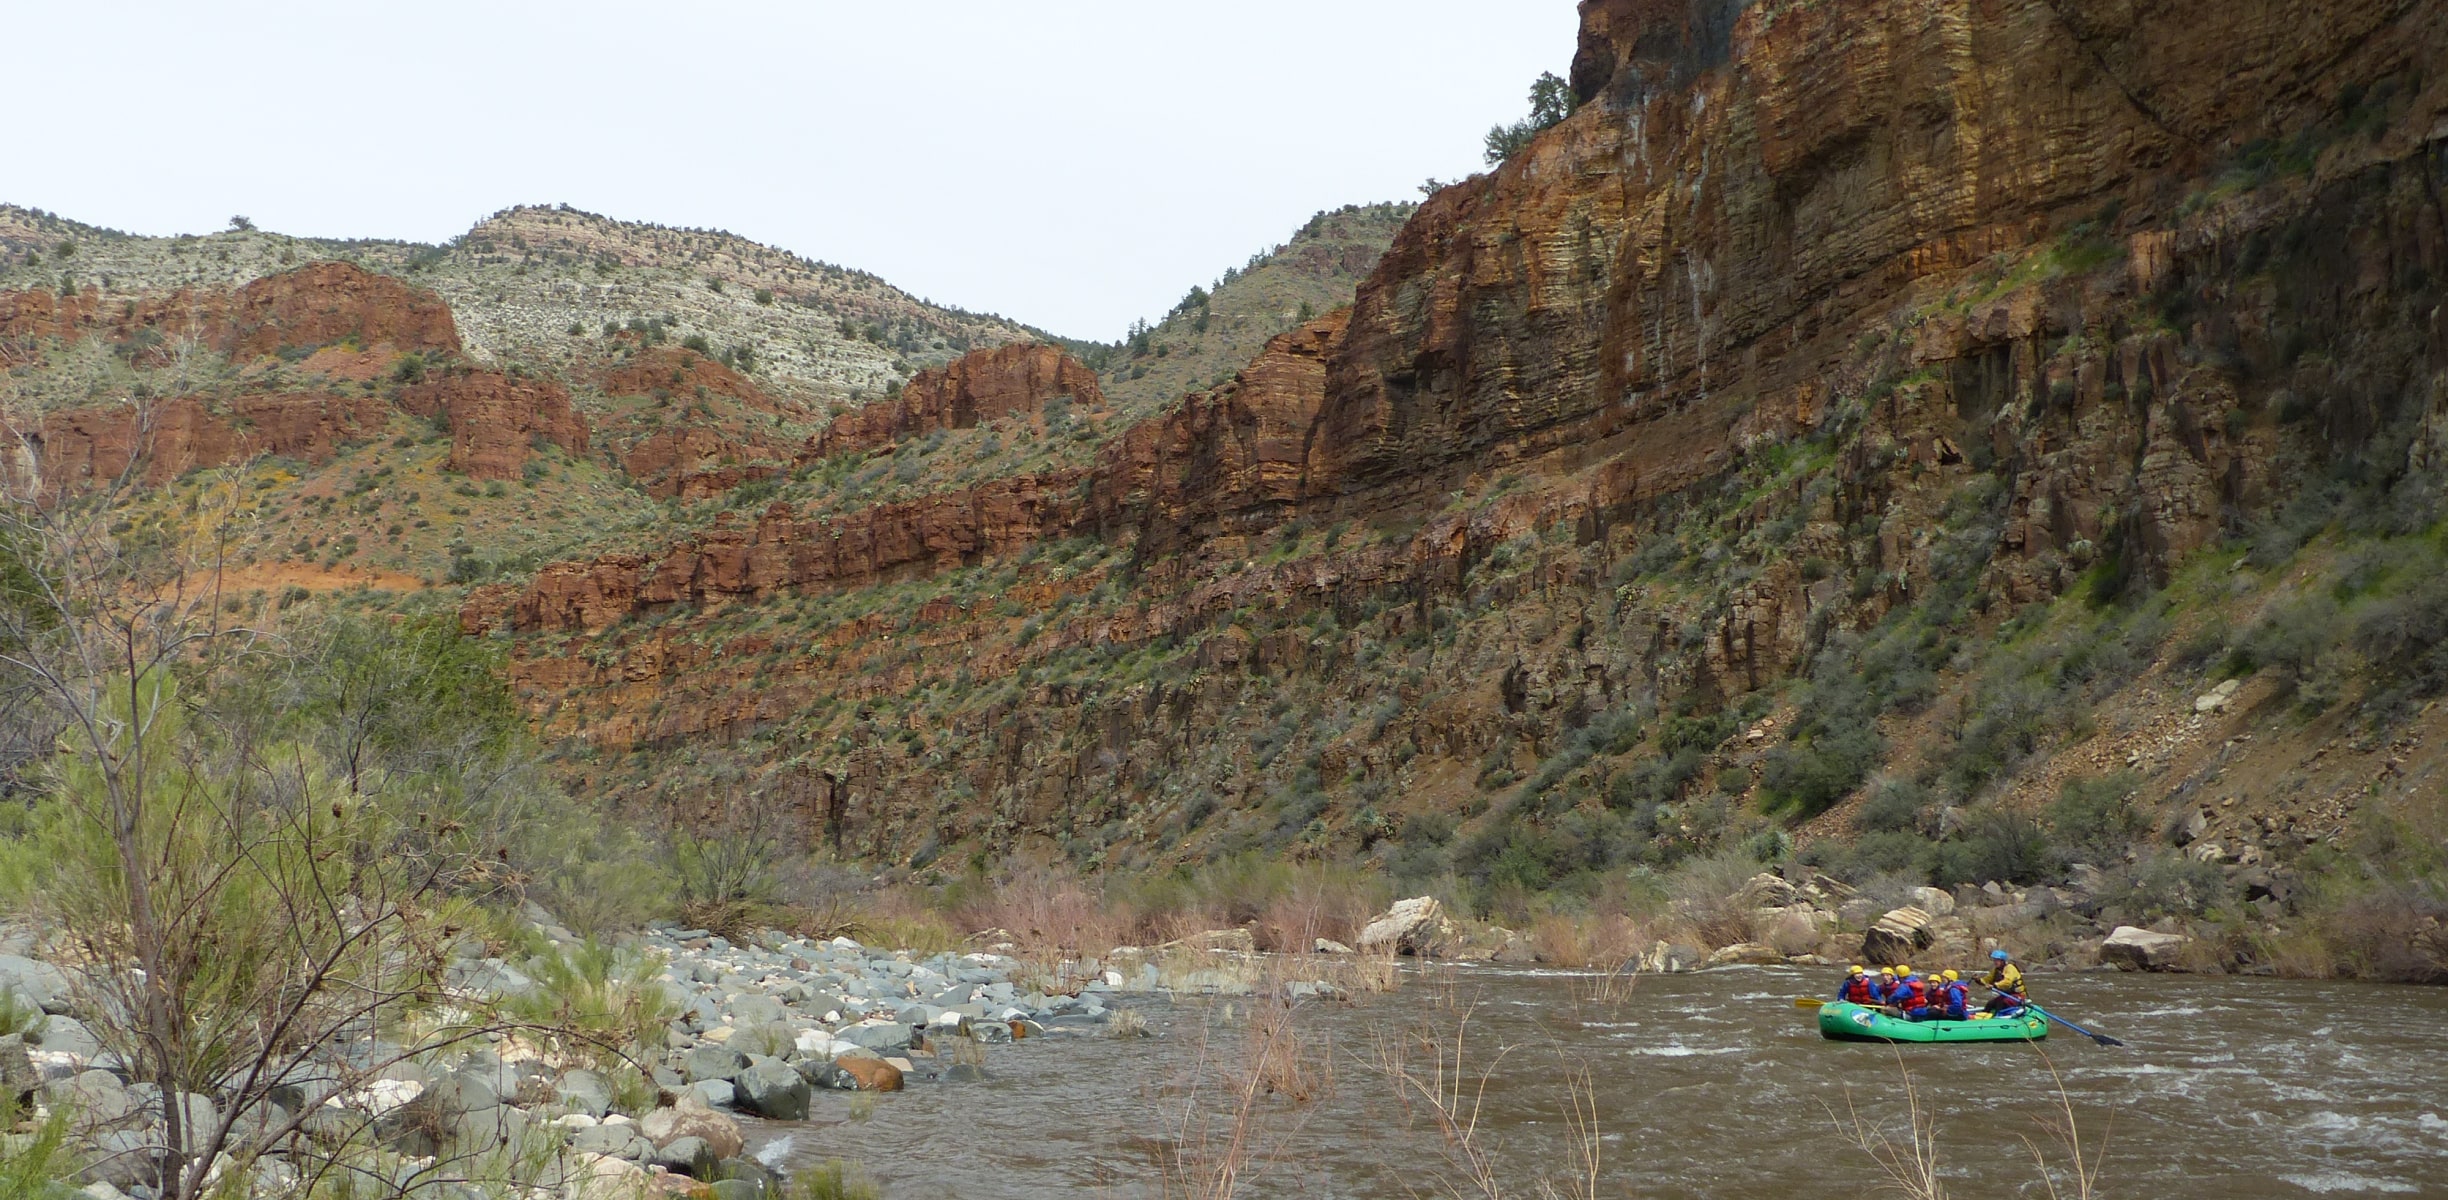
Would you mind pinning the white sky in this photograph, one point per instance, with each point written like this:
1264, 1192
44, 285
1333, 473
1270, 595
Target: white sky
1070, 163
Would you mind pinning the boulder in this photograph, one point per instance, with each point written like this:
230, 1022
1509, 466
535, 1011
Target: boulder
875, 1035
714, 1093
97, 1098
869, 1074
771, 1089
1934, 901
17, 1074
1766, 890
2130, 948
684, 1156
771, 1040
1756, 954
665, 1126
750, 1008
39, 983
1330, 946
606, 1177
1894, 937
1795, 930
1667, 959
710, 1061
65, 1035
1412, 926
585, 1092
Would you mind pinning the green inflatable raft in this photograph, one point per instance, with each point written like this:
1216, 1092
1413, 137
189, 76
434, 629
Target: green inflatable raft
1856, 1023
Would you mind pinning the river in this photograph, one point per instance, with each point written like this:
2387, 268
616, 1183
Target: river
1706, 1085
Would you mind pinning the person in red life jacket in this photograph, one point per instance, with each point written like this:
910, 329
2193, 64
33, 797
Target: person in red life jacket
1911, 995
1858, 988
1954, 1002
1882, 989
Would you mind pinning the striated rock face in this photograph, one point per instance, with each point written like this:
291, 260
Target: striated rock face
323, 304
1990, 264
85, 448
784, 549
496, 421
1236, 455
981, 386
331, 302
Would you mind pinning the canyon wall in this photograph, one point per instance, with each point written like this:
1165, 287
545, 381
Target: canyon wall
2055, 291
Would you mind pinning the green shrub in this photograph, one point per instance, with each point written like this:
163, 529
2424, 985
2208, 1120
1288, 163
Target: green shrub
2095, 819
1895, 806
2006, 847
2166, 885
2405, 641
36, 1164
603, 1003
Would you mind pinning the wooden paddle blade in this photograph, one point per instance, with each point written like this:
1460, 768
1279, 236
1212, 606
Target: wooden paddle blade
1807, 1002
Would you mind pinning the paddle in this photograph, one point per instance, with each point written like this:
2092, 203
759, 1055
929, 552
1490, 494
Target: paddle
1807, 1002
2101, 1038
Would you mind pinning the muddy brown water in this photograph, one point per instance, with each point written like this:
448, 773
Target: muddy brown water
1708, 1085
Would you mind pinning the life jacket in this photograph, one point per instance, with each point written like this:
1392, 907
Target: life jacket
1859, 990
2006, 979
1958, 1000
1911, 995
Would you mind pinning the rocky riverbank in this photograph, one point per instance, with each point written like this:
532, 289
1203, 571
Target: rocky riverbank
754, 1029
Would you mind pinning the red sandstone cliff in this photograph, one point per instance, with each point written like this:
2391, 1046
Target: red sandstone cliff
1965, 248
322, 304
497, 420
72, 451
982, 385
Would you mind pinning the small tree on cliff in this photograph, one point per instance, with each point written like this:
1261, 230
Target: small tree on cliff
1551, 100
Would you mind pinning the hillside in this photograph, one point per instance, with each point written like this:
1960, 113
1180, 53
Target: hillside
1738, 466
670, 364
1998, 449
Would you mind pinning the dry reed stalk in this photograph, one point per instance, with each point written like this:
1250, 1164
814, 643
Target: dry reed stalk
1430, 1072
1208, 1160
2083, 1167
1589, 1142
1911, 1165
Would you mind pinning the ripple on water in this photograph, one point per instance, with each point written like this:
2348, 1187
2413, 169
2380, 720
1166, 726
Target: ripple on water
2327, 1182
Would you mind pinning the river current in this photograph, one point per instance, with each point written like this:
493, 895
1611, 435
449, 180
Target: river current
1706, 1085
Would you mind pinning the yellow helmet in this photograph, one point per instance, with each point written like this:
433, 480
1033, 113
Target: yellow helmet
1951, 977
1886, 970
1857, 970
1901, 969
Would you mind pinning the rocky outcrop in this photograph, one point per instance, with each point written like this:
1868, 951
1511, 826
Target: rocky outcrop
981, 386
700, 462
323, 304
2130, 948
1413, 926
786, 549
1985, 265
332, 302
496, 421
86, 448
1229, 459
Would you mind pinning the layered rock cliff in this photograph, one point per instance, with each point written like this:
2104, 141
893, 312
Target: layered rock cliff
1812, 320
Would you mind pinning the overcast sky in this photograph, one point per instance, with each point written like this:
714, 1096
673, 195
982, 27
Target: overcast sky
1074, 164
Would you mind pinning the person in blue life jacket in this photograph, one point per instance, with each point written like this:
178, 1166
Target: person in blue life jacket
2006, 980
1954, 1000
1911, 995
1858, 988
